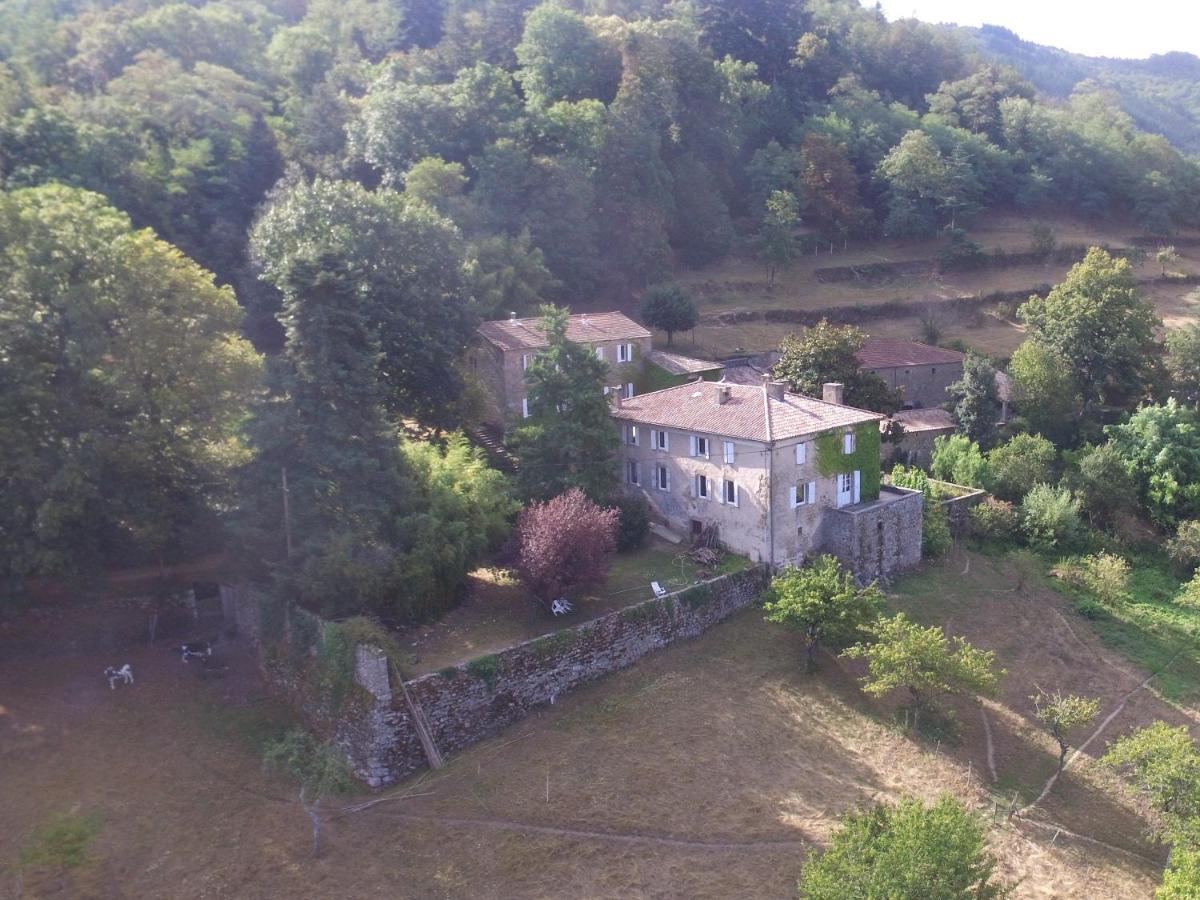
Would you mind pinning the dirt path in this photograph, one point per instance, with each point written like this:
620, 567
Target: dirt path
591, 834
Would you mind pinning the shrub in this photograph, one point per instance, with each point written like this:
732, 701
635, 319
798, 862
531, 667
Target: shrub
1105, 575
935, 532
62, 843
909, 850
1090, 609
633, 523
1103, 486
957, 458
1184, 547
994, 520
1026, 460
961, 254
1050, 518
1042, 240
565, 543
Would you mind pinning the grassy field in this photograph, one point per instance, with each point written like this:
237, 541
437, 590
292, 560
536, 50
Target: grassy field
709, 769
740, 284
497, 612
1150, 629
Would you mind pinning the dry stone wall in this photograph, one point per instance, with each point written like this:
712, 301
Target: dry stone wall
467, 703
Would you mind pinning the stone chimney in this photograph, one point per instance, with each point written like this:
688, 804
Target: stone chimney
617, 393
774, 389
723, 394
833, 392
512, 318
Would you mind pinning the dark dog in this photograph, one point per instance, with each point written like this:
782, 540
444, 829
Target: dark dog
196, 648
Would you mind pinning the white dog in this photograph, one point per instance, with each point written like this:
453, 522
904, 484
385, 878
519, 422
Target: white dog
123, 674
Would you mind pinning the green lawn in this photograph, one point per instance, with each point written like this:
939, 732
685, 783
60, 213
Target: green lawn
663, 562
1154, 632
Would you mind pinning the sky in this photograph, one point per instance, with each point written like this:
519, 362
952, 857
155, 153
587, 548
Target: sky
1091, 27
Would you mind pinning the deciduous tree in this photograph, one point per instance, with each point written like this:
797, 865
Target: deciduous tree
1097, 322
910, 850
1018, 465
777, 236
822, 602
669, 308
925, 662
1060, 714
828, 353
565, 543
123, 381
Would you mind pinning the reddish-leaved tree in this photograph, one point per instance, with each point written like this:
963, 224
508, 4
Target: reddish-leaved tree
566, 542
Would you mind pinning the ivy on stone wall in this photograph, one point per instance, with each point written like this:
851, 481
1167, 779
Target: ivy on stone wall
485, 668
865, 458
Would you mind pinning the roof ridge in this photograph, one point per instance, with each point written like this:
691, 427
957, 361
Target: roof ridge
767, 407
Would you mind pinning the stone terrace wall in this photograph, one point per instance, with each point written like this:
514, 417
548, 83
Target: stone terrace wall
469, 702
957, 507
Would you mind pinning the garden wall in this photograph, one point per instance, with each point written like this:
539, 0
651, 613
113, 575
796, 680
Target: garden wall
466, 703
959, 506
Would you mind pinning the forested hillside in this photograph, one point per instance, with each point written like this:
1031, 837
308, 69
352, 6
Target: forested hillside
1161, 93
369, 179
579, 147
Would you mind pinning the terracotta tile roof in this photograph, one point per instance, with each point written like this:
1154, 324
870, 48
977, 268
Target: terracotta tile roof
584, 328
677, 364
893, 354
746, 374
749, 413
924, 419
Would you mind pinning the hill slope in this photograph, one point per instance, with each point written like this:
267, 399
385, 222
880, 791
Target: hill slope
1161, 93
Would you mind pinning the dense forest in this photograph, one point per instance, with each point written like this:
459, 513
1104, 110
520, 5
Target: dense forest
1161, 93
369, 179
578, 147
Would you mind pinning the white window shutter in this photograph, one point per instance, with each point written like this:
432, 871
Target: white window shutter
525, 407
666, 438
629, 391
857, 485
599, 353
692, 444
668, 479
810, 492
801, 453
730, 452
795, 500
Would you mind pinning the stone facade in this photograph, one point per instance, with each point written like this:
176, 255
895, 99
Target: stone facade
877, 540
467, 703
921, 386
500, 364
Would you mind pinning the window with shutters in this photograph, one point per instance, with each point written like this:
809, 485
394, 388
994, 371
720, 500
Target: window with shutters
702, 487
729, 492
631, 472
629, 391
659, 440
624, 352
848, 442
801, 454
662, 478
730, 453
631, 435
699, 446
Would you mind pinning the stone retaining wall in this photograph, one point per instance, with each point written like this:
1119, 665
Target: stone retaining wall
469, 702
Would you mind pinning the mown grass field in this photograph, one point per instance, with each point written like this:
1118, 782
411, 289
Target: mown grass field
709, 769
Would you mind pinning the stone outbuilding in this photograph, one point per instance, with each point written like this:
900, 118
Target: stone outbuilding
920, 373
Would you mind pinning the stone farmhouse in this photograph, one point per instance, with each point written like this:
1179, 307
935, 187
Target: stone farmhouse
504, 349
778, 475
920, 372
